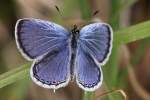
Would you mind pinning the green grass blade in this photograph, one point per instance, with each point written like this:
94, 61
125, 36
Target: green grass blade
112, 65
133, 33
14, 75
88, 96
85, 9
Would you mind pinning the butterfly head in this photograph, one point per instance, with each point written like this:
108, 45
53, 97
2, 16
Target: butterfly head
75, 30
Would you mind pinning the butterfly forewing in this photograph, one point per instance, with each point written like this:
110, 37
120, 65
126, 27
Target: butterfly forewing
36, 37
96, 39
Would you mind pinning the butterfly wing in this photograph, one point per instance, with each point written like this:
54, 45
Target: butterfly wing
96, 39
88, 74
35, 37
47, 44
53, 71
94, 47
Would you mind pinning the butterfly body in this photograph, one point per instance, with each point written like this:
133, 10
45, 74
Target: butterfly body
74, 39
59, 54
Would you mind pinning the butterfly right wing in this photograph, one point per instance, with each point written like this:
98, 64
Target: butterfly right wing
96, 39
88, 72
35, 37
94, 48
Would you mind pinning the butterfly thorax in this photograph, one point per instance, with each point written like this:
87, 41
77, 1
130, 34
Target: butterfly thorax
74, 38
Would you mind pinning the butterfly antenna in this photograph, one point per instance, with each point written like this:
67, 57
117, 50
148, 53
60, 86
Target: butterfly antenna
113, 91
58, 10
95, 13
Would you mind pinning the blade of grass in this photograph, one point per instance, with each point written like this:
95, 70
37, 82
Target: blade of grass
88, 96
14, 75
69, 7
113, 60
85, 9
133, 33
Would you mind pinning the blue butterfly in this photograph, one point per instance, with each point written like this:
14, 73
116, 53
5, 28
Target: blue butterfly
58, 54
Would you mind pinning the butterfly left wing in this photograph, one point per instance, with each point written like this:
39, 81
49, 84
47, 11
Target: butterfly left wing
53, 71
47, 44
94, 47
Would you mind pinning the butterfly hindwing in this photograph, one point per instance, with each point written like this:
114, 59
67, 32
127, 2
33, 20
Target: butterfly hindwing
53, 71
36, 37
88, 74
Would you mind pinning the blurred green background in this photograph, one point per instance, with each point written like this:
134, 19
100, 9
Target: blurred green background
129, 65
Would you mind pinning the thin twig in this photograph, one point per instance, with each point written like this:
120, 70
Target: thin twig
122, 92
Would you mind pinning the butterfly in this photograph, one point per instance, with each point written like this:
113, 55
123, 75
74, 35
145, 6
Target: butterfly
58, 54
